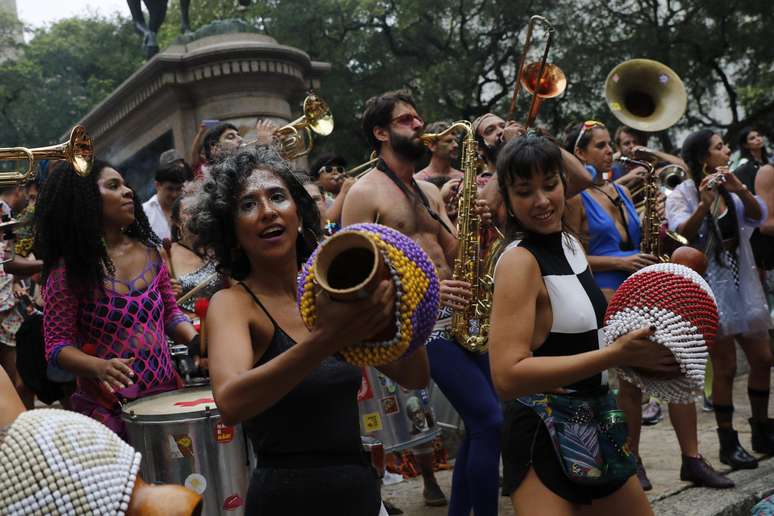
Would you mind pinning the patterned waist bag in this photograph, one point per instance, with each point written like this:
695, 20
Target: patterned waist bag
589, 436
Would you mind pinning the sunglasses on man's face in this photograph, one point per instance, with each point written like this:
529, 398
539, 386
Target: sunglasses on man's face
588, 125
407, 119
332, 169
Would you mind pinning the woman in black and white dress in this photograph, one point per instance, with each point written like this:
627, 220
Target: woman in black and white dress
545, 336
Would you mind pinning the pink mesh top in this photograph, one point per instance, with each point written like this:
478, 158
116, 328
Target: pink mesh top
111, 325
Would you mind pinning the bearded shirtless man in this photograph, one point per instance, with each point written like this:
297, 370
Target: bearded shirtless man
388, 195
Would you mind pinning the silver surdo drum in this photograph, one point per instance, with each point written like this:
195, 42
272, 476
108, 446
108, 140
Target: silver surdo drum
183, 441
398, 417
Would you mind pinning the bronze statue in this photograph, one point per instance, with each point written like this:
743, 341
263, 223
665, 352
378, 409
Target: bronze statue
157, 11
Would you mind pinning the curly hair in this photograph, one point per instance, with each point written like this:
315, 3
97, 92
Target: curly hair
68, 227
214, 208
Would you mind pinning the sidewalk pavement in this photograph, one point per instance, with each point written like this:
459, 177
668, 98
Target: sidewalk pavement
661, 455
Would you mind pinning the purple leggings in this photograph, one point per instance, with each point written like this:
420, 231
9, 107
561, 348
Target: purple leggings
464, 379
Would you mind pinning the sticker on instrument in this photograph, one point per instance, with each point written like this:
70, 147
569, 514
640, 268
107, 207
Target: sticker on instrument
174, 450
233, 502
223, 433
184, 444
387, 383
372, 422
390, 405
365, 392
196, 483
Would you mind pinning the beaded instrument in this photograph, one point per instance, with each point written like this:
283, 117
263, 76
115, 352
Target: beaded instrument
680, 304
350, 264
61, 462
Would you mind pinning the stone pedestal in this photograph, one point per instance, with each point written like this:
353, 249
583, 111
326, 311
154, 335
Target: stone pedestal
235, 77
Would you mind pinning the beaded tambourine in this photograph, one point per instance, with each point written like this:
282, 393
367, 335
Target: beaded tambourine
416, 295
60, 462
680, 304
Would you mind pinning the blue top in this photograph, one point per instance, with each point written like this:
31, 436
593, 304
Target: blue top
604, 238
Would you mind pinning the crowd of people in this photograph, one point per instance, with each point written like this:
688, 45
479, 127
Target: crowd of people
95, 308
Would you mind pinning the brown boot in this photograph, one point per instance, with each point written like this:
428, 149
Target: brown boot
701, 473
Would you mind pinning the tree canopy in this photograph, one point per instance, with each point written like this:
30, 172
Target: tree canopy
458, 57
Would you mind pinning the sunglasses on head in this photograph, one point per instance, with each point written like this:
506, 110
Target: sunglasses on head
331, 169
587, 126
407, 119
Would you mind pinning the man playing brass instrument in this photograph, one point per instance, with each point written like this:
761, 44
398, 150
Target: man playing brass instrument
389, 195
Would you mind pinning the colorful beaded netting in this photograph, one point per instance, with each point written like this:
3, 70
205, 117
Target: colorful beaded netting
416, 296
680, 304
61, 462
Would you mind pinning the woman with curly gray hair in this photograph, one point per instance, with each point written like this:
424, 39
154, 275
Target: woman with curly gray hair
295, 398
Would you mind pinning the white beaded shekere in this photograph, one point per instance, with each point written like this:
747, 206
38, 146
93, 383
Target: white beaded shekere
57, 462
680, 304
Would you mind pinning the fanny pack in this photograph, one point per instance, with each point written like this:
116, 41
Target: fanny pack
589, 436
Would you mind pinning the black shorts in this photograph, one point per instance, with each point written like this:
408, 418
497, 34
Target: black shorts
526, 443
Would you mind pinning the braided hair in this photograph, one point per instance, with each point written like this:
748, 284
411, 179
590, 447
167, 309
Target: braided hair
68, 227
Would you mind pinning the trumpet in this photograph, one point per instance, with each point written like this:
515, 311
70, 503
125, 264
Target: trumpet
78, 150
296, 139
540, 79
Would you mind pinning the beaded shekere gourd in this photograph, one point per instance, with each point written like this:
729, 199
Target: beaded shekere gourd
416, 295
61, 462
680, 304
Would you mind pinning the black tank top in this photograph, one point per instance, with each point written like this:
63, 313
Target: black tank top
316, 423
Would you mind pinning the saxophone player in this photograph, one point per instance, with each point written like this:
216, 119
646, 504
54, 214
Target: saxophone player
609, 226
388, 194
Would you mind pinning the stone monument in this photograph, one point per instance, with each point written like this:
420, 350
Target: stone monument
225, 71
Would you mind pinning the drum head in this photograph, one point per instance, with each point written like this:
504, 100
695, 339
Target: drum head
183, 403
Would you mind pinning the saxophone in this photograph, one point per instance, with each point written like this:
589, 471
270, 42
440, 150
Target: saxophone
470, 326
653, 235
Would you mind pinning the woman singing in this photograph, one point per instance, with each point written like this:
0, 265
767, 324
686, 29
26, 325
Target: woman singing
544, 338
295, 398
717, 213
108, 303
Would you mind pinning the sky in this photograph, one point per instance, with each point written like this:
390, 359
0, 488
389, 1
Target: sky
41, 12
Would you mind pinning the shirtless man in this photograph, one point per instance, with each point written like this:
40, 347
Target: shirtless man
443, 152
388, 195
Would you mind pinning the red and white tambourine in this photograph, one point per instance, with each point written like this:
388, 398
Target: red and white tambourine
680, 304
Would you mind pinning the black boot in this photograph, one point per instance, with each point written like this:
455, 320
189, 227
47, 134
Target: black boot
762, 436
642, 476
701, 473
732, 453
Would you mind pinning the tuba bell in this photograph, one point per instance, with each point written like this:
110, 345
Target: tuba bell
77, 150
645, 95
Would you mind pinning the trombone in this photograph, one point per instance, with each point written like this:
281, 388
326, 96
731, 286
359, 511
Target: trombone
359, 170
296, 138
78, 150
540, 79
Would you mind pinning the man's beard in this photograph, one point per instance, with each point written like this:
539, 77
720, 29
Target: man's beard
490, 152
408, 148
